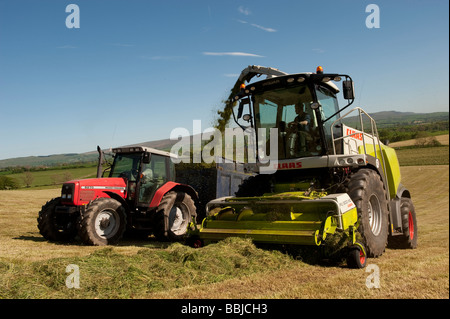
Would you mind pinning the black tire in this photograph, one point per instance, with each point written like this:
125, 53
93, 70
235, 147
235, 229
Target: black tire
356, 257
367, 191
195, 242
56, 227
103, 222
174, 214
408, 240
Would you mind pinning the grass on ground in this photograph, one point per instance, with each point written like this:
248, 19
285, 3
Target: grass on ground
31, 267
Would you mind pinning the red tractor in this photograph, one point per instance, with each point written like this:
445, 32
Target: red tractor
139, 197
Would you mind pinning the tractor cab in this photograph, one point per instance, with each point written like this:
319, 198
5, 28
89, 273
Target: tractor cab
145, 170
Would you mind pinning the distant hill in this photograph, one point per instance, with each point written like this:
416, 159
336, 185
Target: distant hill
49, 160
73, 158
384, 119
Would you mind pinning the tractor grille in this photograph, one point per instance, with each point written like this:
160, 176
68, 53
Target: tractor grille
67, 192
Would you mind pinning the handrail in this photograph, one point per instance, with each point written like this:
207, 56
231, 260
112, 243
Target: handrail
373, 136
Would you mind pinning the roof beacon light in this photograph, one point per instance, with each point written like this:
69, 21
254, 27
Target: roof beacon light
319, 70
242, 86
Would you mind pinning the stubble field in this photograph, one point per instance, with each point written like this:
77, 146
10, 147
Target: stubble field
31, 267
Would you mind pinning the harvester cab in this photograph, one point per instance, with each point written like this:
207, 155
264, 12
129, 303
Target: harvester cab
332, 183
139, 197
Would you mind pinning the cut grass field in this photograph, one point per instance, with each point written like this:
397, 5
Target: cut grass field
31, 267
443, 139
410, 155
423, 156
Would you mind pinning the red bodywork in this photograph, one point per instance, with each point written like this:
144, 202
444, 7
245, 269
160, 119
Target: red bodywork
160, 193
86, 190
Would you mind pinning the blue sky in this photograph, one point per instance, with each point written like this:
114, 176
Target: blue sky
135, 70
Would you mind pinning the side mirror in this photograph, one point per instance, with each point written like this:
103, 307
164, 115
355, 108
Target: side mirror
241, 106
146, 158
348, 90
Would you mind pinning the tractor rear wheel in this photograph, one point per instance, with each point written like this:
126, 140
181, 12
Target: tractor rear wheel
174, 214
56, 227
409, 224
103, 222
367, 191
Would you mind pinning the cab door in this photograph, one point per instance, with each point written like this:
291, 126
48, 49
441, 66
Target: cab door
153, 176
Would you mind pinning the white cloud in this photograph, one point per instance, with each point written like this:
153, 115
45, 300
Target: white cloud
319, 50
258, 26
263, 28
244, 11
232, 54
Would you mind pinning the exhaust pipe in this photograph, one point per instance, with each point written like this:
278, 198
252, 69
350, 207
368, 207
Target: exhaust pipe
100, 161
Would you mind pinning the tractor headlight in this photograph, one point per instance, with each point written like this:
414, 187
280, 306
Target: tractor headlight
67, 192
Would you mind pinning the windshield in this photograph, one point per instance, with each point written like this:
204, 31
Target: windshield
329, 106
126, 165
289, 110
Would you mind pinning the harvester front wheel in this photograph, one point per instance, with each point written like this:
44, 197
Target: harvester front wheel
55, 227
367, 191
174, 214
103, 222
357, 257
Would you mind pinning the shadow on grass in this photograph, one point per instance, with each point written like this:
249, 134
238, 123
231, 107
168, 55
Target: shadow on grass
31, 238
311, 255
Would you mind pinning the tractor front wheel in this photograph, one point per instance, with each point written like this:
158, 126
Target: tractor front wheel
103, 222
56, 227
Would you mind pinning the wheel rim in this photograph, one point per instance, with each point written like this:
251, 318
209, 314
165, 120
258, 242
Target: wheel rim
197, 243
362, 257
411, 226
107, 223
375, 215
177, 221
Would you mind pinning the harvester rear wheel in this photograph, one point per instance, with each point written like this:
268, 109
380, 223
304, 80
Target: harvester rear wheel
174, 214
103, 222
409, 225
367, 191
53, 227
